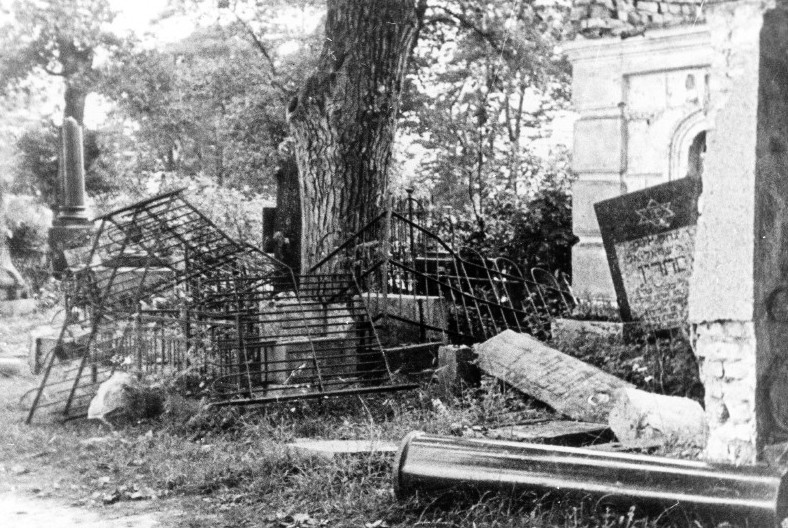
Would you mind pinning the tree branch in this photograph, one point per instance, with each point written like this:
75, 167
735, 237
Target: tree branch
256, 41
463, 21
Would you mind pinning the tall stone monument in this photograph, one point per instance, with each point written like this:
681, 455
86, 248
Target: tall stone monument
71, 227
738, 302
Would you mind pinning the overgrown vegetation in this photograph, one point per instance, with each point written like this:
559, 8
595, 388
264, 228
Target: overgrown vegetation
231, 468
655, 361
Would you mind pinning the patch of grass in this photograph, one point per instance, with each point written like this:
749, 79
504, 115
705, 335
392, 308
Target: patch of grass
230, 467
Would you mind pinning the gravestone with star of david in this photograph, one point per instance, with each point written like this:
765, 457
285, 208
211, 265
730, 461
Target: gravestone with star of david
649, 238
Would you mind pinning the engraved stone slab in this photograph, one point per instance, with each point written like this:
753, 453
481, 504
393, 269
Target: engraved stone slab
649, 238
568, 385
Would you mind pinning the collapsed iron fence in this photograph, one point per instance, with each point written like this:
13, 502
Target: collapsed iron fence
163, 290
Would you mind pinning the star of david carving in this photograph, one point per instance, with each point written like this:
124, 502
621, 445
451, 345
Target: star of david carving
655, 213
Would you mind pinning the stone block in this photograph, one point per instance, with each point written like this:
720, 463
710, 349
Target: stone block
578, 13
566, 332
44, 340
17, 307
738, 369
570, 386
595, 23
591, 277
290, 361
599, 11
597, 145
637, 415
410, 311
713, 369
457, 369
648, 7
585, 193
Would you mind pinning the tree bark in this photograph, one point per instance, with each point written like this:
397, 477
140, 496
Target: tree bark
343, 119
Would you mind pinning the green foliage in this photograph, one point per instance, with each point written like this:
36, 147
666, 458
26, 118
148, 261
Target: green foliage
36, 172
660, 362
478, 117
238, 212
59, 37
28, 228
212, 104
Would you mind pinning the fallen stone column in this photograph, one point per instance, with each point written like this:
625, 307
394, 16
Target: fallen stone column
640, 415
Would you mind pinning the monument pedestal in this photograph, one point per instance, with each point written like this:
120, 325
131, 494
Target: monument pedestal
65, 237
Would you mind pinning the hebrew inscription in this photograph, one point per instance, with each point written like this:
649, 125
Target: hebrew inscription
649, 237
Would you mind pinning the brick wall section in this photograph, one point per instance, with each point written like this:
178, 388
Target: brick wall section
626, 18
726, 358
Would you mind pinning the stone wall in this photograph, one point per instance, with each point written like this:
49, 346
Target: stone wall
741, 266
638, 100
626, 18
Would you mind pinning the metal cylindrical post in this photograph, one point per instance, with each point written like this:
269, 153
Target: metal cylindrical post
427, 464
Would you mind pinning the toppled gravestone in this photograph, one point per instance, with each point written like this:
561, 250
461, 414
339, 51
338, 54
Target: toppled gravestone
570, 386
639, 415
124, 398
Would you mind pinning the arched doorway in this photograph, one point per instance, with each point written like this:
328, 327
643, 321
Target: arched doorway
688, 147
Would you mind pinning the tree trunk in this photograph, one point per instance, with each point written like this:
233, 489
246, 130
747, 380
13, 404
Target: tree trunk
344, 118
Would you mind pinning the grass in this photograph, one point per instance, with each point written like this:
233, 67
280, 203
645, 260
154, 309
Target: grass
230, 467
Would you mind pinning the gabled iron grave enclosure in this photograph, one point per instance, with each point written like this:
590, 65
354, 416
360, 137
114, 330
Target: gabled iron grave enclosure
163, 290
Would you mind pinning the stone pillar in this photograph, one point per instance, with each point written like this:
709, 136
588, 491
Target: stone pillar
72, 171
741, 261
71, 227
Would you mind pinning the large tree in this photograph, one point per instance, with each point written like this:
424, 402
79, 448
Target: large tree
343, 118
60, 38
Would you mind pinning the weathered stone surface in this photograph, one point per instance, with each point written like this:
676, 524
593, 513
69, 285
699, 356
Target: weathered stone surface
43, 342
640, 415
740, 271
558, 432
429, 309
17, 307
123, 398
568, 385
649, 239
457, 369
569, 331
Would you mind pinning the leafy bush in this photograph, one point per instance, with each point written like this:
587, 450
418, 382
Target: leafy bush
237, 212
28, 227
37, 170
661, 362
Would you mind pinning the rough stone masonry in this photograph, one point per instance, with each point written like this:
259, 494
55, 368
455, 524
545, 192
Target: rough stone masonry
740, 279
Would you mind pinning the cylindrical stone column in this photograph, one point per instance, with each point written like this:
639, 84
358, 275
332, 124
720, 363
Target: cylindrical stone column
72, 209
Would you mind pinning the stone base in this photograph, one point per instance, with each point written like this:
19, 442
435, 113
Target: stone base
43, 343
457, 369
566, 332
17, 307
67, 237
429, 309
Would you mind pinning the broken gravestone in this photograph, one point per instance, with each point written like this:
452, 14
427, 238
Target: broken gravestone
123, 398
649, 238
568, 385
639, 415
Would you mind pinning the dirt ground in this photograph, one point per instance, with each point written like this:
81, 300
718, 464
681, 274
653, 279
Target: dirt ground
35, 494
